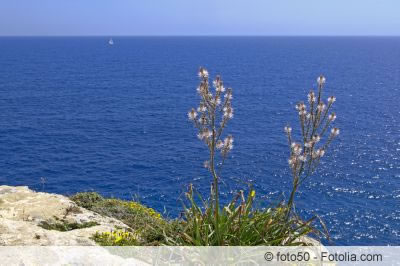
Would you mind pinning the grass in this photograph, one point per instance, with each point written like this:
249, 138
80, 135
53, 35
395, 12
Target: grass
239, 224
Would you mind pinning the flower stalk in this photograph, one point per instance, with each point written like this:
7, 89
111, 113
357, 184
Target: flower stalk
314, 123
214, 112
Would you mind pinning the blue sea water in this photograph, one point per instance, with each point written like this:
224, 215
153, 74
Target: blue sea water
83, 115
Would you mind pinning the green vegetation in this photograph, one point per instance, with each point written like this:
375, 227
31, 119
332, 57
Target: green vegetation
63, 225
239, 224
145, 222
116, 238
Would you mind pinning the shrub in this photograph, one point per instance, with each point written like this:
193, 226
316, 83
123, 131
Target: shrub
144, 221
87, 199
63, 225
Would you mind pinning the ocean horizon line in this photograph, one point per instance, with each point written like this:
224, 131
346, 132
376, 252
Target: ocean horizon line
200, 36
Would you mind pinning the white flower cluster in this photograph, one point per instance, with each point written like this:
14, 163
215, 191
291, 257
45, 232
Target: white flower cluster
203, 73
218, 85
205, 134
321, 80
228, 95
301, 107
311, 97
228, 112
331, 99
226, 145
332, 117
288, 129
314, 123
334, 132
192, 114
318, 153
213, 113
321, 107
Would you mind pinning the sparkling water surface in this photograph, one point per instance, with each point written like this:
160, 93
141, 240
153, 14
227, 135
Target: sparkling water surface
77, 114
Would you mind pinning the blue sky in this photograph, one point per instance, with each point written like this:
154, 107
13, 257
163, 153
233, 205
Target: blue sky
199, 17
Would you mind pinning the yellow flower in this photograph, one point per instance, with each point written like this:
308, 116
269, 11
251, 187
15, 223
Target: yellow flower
253, 193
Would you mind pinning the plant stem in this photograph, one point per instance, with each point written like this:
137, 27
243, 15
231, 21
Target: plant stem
215, 177
292, 194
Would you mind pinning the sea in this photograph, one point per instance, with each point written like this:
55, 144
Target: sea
78, 114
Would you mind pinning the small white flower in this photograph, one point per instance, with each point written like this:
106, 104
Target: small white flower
308, 144
332, 117
297, 149
321, 107
303, 113
292, 161
228, 95
215, 83
206, 164
335, 131
192, 114
300, 106
302, 158
228, 112
216, 101
311, 97
203, 120
288, 129
316, 138
321, 80
228, 115
220, 88
228, 140
207, 134
331, 99
228, 144
202, 108
220, 144
318, 153
203, 73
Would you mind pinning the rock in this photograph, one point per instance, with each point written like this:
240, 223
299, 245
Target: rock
22, 210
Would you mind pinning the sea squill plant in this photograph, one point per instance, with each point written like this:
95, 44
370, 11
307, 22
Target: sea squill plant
236, 223
212, 116
317, 133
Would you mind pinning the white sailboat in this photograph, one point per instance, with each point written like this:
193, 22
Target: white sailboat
111, 42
